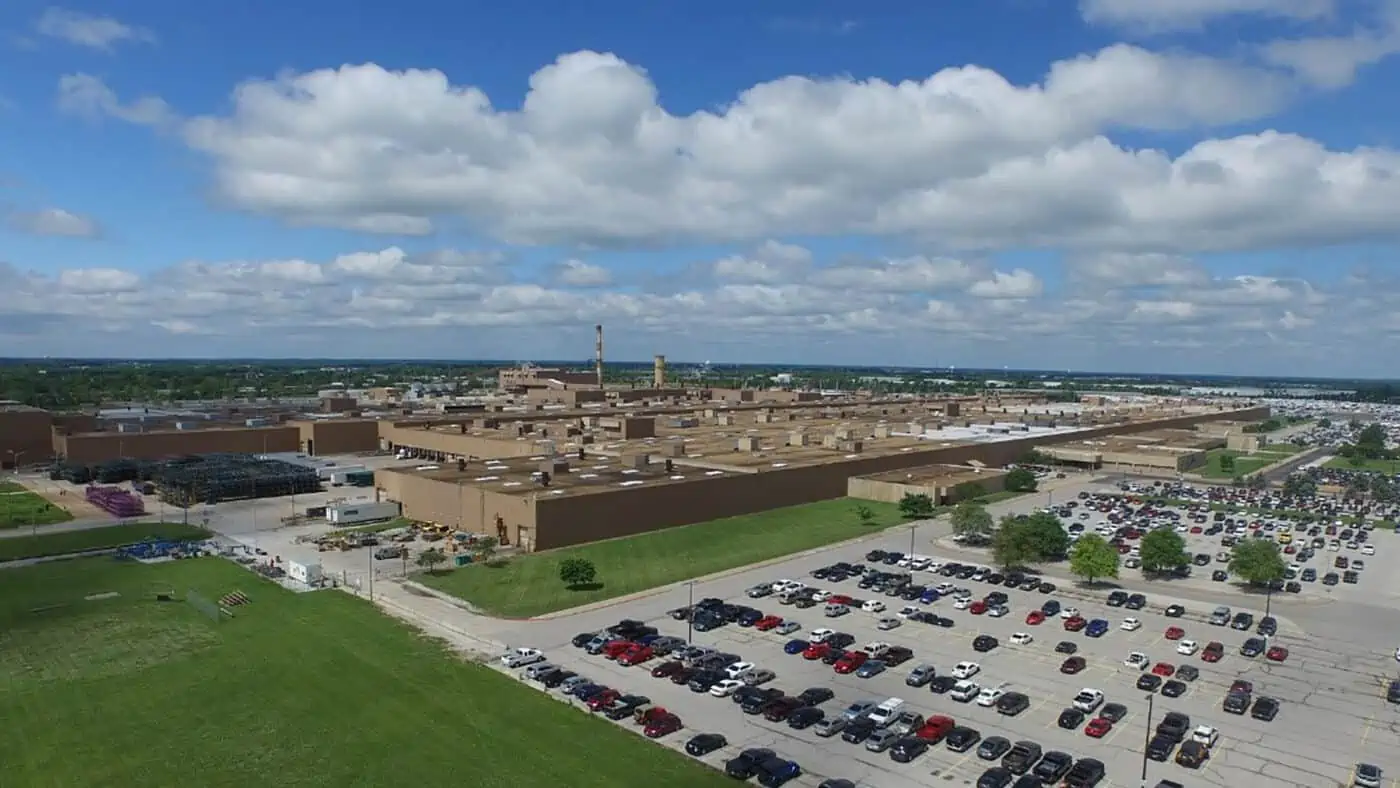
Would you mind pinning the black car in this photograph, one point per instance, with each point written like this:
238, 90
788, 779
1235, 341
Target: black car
1071, 719
557, 678
907, 749
1188, 673
1013, 703
1027, 781
1045, 588
897, 655
996, 598
837, 783
1220, 575
942, 621
1242, 621
1174, 726
984, 643
1161, 747
1252, 647
993, 747
1268, 626
1236, 703
1066, 647
840, 640
805, 717
1113, 712
754, 704
1175, 611
941, 684
1173, 688
1022, 757
1117, 598
624, 706
704, 680
1087, 773
749, 617
1149, 682
875, 556
705, 743
815, 696
581, 639
1050, 608
1136, 602
962, 739
995, 777
1265, 709
745, 764
858, 730
1053, 766
1392, 692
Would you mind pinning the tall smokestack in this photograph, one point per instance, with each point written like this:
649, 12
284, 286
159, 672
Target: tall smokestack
598, 362
658, 373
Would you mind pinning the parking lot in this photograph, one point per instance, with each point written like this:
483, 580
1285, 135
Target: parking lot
1332, 692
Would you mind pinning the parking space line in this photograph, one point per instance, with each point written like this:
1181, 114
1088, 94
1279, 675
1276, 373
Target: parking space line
1119, 727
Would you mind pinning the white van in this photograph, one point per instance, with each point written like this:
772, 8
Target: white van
887, 712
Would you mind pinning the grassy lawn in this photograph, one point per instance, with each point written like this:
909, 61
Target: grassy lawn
298, 690
11, 487
17, 547
1391, 467
529, 585
1244, 463
998, 497
1281, 450
24, 508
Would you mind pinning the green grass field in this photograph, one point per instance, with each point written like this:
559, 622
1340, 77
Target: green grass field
1244, 463
17, 547
299, 690
1391, 467
21, 508
529, 585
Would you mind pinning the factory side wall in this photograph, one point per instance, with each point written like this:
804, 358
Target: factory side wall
25, 437
100, 447
466, 507
941, 492
456, 445
340, 436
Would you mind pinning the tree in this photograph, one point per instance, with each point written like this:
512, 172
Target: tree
1163, 550
1047, 537
1370, 442
1029, 539
1237, 480
1299, 486
575, 572
865, 514
972, 520
1020, 480
1093, 558
1257, 482
1011, 546
1324, 423
1034, 457
431, 559
1227, 464
484, 549
1258, 561
916, 506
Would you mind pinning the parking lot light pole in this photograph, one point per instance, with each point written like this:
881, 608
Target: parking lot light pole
1147, 738
912, 530
690, 614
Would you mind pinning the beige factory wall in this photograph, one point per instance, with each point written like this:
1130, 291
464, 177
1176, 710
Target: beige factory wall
893, 492
453, 446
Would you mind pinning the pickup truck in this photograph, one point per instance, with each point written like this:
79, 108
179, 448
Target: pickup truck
520, 657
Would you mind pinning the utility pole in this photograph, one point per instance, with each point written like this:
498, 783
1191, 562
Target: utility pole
690, 614
1147, 739
370, 553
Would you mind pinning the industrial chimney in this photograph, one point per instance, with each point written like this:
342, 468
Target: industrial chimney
598, 362
658, 375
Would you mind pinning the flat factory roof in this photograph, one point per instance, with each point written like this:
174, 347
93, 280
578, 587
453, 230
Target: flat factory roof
943, 475
520, 475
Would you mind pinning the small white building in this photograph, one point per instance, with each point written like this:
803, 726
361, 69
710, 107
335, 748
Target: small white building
309, 574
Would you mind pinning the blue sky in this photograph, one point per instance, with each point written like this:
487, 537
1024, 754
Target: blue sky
1120, 184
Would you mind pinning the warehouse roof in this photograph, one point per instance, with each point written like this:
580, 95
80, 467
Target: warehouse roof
520, 475
941, 475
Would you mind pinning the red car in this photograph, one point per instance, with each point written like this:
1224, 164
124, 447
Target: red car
977, 608
649, 715
1213, 652
1124, 549
1277, 654
1098, 727
666, 669
935, 728
657, 728
816, 651
1196, 529
851, 662
1035, 617
1241, 687
1075, 624
1164, 669
616, 648
1072, 665
635, 655
768, 622
840, 599
603, 699
1290, 549
1175, 633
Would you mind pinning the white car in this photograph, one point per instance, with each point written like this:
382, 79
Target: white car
739, 670
907, 611
1069, 612
820, 635
1397, 655
964, 691
944, 589
876, 648
1189, 647
1368, 549
989, 696
888, 623
920, 563
783, 586
1205, 734
873, 606
1088, 700
1022, 639
1137, 660
1130, 624
520, 657
966, 670
962, 603
725, 688
997, 611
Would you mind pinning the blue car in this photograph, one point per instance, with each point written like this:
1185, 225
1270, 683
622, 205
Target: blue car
929, 597
1096, 628
775, 771
795, 646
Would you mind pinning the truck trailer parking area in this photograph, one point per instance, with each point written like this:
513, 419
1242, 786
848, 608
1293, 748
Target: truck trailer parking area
1332, 710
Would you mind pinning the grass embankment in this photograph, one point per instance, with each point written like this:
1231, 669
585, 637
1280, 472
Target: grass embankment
297, 690
20, 508
17, 547
529, 585
1391, 467
991, 498
1244, 463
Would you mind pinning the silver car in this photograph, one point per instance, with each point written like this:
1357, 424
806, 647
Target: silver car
759, 676
921, 675
881, 740
788, 627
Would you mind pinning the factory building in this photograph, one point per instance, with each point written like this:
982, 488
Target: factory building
943, 484
1170, 450
567, 482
